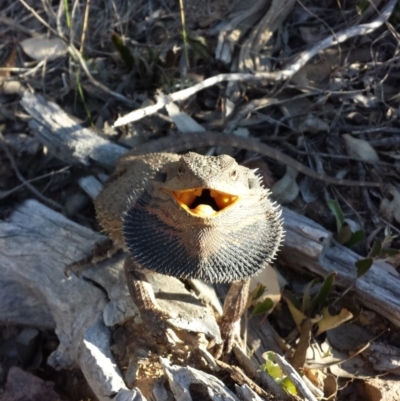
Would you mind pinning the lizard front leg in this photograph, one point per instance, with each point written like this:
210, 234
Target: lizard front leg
234, 307
142, 295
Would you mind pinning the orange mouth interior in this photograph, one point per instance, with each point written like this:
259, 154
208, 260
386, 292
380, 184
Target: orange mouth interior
202, 202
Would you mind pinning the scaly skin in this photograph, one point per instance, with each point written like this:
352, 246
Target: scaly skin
147, 208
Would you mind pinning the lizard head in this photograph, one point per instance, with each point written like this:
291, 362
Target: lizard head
203, 217
205, 186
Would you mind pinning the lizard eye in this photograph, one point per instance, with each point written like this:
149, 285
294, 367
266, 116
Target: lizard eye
233, 174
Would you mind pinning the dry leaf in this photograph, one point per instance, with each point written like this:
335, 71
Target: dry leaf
360, 149
329, 321
390, 209
286, 189
313, 125
44, 48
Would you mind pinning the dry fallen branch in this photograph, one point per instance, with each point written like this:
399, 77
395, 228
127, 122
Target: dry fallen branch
294, 378
276, 76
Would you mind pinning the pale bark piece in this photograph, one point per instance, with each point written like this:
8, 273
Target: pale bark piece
182, 120
181, 378
20, 305
98, 366
64, 137
91, 185
246, 393
305, 240
384, 357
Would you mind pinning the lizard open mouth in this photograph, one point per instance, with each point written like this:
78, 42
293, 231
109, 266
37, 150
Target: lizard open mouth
204, 202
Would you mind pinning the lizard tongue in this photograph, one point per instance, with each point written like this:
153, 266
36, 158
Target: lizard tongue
203, 211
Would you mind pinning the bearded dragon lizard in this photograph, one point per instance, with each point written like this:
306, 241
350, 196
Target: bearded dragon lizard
193, 216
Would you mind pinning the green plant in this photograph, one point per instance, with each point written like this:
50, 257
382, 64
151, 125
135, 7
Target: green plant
344, 233
261, 307
379, 250
314, 305
277, 374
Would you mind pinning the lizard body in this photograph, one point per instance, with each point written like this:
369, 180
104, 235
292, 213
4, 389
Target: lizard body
190, 216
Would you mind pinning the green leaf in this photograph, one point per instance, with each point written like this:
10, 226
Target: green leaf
356, 237
321, 297
270, 366
362, 6
263, 307
295, 309
344, 234
337, 211
268, 356
258, 292
376, 249
307, 297
198, 45
293, 300
387, 252
123, 50
363, 265
273, 370
288, 386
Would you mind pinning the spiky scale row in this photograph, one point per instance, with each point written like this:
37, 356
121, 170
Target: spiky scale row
234, 246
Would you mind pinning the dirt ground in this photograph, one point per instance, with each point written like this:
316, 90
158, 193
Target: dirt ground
317, 81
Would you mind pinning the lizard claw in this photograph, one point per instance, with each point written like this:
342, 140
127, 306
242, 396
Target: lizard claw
101, 250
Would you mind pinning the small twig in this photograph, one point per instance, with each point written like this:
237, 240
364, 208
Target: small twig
276, 76
299, 357
38, 17
294, 377
85, 24
5, 194
184, 34
10, 157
